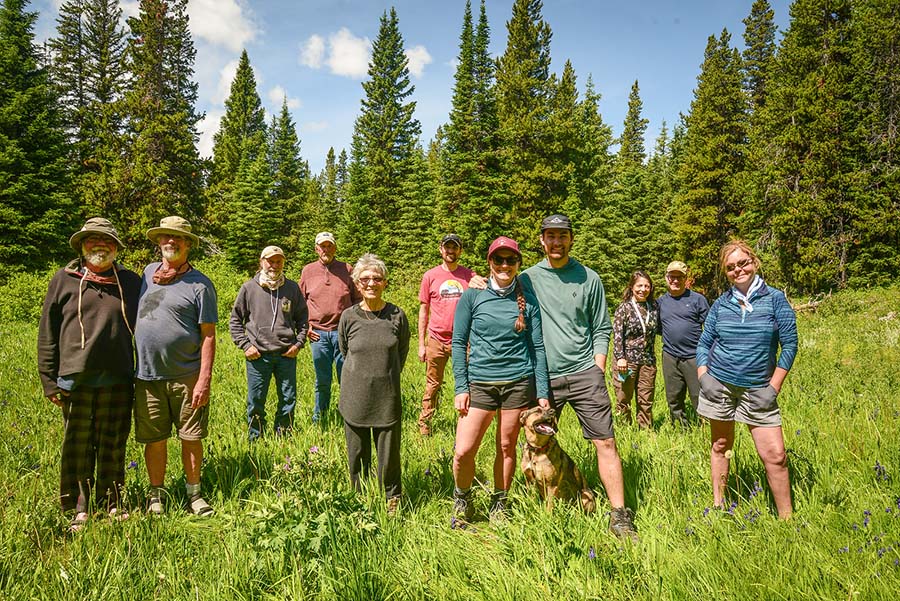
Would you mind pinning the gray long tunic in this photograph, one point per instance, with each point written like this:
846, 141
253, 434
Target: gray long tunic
374, 346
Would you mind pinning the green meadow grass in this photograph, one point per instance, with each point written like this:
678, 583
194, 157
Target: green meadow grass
288, 526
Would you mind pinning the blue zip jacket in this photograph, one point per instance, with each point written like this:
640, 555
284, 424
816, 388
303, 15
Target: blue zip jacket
743, 350
483, 323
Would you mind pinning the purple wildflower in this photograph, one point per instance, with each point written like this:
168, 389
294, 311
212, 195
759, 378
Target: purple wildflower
732, 507
866, 513
427, 471
591, 554
314, 449
132, 465
843, 549
706, 512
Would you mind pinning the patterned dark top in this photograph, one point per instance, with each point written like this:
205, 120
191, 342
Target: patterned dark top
631, 340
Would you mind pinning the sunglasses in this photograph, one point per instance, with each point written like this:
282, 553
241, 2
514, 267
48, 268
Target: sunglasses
501, 261
739, 265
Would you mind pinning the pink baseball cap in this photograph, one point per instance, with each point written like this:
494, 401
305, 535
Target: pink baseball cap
504, 242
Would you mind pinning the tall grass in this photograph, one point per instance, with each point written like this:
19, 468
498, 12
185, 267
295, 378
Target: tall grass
288, 526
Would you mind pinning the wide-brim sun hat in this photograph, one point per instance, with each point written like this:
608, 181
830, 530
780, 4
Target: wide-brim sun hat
93, 226
504, 242
174, 225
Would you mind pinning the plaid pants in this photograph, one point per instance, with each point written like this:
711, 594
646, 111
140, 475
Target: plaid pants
97, 424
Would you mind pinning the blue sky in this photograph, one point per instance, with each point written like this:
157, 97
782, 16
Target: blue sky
315, 52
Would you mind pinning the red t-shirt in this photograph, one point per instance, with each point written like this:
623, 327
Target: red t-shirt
440, 290
328, 291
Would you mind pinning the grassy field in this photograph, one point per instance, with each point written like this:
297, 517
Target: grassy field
287, 525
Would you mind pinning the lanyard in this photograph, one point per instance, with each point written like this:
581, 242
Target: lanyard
640, 317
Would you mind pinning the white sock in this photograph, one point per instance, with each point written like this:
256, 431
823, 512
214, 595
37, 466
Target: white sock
192, 489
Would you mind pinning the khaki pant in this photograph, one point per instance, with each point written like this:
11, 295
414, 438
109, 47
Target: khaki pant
640, 384
436, 356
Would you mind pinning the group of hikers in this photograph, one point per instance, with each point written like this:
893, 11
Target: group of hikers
517, 339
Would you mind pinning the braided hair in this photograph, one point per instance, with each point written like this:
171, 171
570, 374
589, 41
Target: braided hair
520, 300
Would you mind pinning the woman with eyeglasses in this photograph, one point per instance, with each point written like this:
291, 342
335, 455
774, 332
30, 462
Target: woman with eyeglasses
500, 370
373, 337
741, 370
635, 325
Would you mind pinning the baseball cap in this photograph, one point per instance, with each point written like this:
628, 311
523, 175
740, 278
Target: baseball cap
271, 251
556, 222
451, 238
325, 237
677, 267
504, 242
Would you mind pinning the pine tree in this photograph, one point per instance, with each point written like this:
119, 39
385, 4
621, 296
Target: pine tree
631, 144
708, 204
759, 39
803, 151
160, 174
250, 229
34, 203
384, 140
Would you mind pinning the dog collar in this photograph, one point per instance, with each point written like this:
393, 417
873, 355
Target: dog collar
534, 449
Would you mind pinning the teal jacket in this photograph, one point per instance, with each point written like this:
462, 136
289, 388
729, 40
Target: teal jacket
483, 324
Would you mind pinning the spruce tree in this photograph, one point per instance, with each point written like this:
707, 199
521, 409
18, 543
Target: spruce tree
289, 175
36, 213
251, 228
631, 144
525, 88
708, 204
90, 71
161, 172
384, 140
804, 152
759, 39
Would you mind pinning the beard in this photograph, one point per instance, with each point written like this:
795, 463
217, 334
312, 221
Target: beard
171, 253
100, 258
273, 274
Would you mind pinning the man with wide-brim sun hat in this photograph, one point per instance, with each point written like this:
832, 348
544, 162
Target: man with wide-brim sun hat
175, 340
86, 364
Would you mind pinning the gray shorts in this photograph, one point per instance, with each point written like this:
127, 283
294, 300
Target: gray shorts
160, 404
587, 394
727, 403
491, 397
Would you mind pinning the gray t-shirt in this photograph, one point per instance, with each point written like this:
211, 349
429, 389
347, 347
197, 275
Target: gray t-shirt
167, 335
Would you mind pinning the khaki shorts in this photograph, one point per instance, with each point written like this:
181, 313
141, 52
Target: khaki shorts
728, 403
160, 404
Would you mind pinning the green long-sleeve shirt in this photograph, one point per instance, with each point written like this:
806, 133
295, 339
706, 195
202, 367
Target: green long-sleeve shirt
575, 319
496, 352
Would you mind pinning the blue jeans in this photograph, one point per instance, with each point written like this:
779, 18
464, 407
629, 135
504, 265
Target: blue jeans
325, 352
259, 374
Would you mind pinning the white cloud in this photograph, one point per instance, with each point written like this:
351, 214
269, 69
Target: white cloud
226, 76
312, 52
418, 57
315, 126
208, 128
348, 55
278, 93
222, 23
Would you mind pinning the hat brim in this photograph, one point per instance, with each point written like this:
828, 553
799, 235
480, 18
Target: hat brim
153, 232
676, 271
77, 237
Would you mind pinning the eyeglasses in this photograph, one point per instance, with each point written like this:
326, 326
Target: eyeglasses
370, 281
674, 277
742, 265
507, 260
95, 238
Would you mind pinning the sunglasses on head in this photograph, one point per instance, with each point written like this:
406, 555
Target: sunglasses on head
507, 260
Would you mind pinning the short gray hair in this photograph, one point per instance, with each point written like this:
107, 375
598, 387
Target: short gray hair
366, 262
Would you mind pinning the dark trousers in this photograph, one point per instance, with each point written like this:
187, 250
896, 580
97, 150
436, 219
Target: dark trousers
680, 376
97, 424
641, 385
387, 448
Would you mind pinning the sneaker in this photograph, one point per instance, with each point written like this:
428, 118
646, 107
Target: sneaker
393, 505
463, 509
621, 523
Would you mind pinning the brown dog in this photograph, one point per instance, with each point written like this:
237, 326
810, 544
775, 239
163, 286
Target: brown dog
547, 465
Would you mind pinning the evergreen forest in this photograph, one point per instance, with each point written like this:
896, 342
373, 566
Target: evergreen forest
792, 143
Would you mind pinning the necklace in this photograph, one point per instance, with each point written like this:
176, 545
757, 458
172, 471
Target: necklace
366, 311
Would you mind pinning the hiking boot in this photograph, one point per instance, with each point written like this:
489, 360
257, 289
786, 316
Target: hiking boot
499, 510
463, 509
393, 506
621, 523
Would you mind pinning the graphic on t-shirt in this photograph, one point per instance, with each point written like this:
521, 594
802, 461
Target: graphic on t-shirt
450, 289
